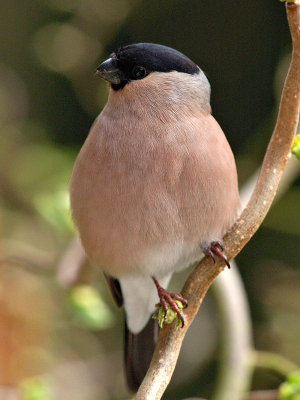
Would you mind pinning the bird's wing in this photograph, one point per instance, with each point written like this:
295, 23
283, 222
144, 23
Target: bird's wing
115, 288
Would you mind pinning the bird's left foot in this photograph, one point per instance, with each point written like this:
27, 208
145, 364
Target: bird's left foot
216, 249
170, 301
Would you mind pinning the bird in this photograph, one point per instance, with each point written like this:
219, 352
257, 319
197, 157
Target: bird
154, 187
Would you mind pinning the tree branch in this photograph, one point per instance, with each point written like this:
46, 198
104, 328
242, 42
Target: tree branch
197, 284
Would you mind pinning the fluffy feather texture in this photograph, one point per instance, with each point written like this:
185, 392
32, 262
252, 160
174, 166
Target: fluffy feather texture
154, 182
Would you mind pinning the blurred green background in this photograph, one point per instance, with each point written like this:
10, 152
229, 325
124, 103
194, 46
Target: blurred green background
61, 341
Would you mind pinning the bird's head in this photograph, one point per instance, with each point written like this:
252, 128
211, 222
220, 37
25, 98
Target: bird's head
136, 61
159, 78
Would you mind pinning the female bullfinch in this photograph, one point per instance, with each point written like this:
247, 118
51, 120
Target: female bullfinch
154, 186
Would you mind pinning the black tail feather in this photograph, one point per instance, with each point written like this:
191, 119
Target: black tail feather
138, 351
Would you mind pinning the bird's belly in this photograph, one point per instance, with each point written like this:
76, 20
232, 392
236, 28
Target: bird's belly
135, 238
129, 255
142, 229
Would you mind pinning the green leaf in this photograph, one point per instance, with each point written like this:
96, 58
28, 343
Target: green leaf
290, 389
296, 146
89, 309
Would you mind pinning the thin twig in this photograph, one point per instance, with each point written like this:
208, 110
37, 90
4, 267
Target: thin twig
71, 264
273, 361
196, 286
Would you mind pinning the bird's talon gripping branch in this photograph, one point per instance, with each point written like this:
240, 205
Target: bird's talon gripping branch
170, 306
216, 249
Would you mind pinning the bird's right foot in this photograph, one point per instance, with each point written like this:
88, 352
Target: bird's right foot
216, 249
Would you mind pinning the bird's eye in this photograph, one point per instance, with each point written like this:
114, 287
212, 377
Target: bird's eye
139, 72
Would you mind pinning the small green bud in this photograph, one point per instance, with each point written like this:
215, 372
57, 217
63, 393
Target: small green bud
296, 146
169, 316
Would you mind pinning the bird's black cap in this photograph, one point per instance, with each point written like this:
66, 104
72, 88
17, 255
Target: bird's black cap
136, 61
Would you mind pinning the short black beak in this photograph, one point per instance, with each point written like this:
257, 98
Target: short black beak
109, 72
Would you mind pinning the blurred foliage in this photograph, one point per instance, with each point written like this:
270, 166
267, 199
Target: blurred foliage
290, 389
37, 388
55, 208
49, 98
89, 309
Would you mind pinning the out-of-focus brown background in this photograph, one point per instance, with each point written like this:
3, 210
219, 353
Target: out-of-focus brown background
66, 343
